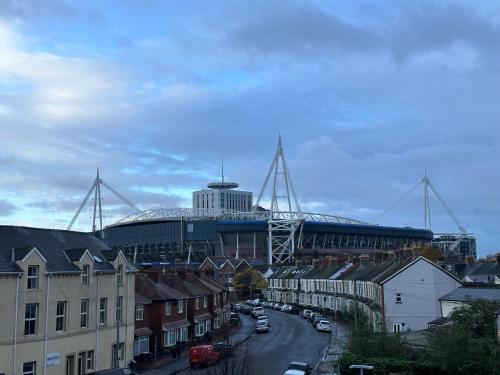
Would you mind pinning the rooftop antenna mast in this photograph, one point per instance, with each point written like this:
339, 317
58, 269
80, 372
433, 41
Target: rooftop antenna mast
285, 215
97, 211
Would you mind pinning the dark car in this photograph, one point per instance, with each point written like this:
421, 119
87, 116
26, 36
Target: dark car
246, 309
234, 317
294, 310
224, 348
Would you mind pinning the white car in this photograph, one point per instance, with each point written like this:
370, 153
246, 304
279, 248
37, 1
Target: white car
305, 313
257, 311
261, 326
324, 325
294, 372
263, 317
285, 307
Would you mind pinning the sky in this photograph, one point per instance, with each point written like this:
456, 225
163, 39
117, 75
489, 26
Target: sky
366, 96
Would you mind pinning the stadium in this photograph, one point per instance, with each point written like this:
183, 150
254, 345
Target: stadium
224, 222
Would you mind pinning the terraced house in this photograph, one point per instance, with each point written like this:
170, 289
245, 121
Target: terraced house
399, 295
63, 294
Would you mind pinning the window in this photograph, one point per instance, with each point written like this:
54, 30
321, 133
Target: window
184, 334
215, 299
139, 312
197, 303
90, 360
119, 304
84, 313
180, 306
141, 345
29, 368
399, 299
103, 305
169, 338
199, 329
61, 316
32, 277
205, 301
119, 275
168, 308
207, 325
30, 317
85, 275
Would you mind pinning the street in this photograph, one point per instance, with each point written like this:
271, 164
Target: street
291, 338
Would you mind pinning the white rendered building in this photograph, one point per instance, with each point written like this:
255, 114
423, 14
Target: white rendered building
222, 196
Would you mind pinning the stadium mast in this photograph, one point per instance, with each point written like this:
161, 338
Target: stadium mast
285, 214
96, 189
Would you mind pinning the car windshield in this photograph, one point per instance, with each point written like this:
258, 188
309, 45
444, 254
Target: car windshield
261, 323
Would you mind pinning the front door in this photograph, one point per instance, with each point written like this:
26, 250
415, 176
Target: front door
70, 364
81, 363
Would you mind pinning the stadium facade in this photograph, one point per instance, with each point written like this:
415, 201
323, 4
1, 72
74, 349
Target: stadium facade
168, 234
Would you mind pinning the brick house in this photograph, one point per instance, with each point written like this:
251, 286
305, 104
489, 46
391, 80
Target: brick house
175, 309
224, 270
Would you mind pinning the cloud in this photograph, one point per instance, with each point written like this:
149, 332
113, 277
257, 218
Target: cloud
6, 208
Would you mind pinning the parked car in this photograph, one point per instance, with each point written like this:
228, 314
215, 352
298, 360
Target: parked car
263, 317
261, 326
257, 311
294, 372
302, 366
316, 319
284, 307
237, 307
234, 317
324, 325
224, 349
245, 309
202, 355
306, 313
294, 310
277, 306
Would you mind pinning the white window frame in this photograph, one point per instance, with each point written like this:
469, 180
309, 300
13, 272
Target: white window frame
30, 319
119, 275
32, 371
32, 278
61, 316
139, 312
141, 345
205, 301
84, 313
85, 275
118, 309
180, 306
197, 303
168, 308
90, 360
103, 313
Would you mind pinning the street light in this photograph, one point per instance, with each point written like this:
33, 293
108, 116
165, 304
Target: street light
362, 368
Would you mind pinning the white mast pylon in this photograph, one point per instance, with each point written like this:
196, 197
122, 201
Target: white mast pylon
285, 213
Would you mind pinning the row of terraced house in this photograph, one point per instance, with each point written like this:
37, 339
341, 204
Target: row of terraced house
72, 306
400, 295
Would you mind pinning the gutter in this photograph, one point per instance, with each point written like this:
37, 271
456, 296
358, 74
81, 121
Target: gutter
14, 352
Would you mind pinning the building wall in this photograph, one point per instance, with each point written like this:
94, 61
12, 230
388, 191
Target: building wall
73, 339
420, 286
448, 306
225, 199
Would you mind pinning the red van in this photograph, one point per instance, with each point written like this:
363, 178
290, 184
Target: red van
203, 355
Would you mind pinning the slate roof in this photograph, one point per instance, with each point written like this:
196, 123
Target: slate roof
58, 247
468, 294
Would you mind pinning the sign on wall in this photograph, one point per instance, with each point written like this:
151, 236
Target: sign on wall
53, 359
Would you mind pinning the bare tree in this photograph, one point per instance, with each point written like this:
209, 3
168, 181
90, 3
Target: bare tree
239, 363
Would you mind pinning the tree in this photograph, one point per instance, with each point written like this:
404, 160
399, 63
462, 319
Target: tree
249, 279
468, 346
241, 362
430, 253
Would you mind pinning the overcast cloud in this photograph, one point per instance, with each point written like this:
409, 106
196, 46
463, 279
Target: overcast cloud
366, 95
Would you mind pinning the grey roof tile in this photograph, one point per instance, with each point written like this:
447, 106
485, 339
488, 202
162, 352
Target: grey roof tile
467, 294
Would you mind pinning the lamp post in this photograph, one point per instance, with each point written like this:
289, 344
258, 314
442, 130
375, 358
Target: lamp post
362, 368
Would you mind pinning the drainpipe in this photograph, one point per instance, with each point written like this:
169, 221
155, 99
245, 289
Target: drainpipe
46, 326
97, 317
14, 353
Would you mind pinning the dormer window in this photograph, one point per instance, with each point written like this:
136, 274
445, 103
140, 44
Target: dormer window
32, 277
119, 275
85, 275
